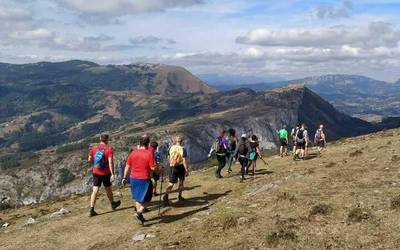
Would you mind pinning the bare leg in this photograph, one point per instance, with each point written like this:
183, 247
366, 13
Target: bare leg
181, 187
109, 194
93, 197
281, 151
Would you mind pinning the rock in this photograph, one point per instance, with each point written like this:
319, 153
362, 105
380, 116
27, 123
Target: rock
139, 236
5, 225
374, 159
60, 213
150, 236
194, 219
30, 221
253, 205
204, 213
263, 189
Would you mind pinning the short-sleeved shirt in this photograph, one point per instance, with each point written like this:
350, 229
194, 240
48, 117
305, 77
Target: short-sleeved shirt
283, 134
108, 153
176, 155
141, 162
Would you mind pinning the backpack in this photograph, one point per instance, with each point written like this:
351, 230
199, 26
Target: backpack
300, 136
99, 159
175, 156
243, 149
157, 156
219, 147
318, 135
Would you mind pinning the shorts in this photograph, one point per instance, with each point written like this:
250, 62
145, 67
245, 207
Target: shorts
155, 176
301, 145
320, 144
142, 190
102, 179
283, 142
178, 172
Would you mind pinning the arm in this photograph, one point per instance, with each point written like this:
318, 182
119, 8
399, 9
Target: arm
127, 168
111, 166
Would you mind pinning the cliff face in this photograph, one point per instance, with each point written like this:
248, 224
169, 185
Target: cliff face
57, 174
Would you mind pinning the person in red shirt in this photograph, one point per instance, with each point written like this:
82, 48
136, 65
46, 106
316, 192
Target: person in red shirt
101, 157
141, 162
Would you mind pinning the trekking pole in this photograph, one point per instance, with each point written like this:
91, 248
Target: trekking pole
264, 161
159, 203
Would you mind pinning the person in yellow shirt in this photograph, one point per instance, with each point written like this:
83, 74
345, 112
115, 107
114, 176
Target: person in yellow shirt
179, 169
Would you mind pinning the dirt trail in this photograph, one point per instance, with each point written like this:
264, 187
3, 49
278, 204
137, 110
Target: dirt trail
342, 200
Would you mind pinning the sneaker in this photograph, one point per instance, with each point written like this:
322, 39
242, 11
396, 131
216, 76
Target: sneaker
115, 204
166, 201
180, 198
139, 218
229, 171
242, 179
92, 213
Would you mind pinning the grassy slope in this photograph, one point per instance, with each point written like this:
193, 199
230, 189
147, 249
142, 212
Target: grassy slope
288, 205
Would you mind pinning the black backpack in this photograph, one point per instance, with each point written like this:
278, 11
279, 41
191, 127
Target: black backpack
300, 135
243, 148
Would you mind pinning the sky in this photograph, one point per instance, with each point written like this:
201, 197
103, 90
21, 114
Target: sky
259, 38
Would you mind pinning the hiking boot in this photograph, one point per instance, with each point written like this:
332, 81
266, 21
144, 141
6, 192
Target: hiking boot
180, 198
166, 201
229, 171
92, 213
146, 210
242, 179
115, 204
140, 219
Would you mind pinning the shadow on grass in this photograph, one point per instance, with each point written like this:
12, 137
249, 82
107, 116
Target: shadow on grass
203, 201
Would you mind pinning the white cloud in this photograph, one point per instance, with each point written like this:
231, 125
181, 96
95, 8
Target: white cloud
125, 7
376, 34
35, 34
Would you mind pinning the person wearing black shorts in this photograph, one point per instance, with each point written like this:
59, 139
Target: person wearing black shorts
102, 160
102, 180
179, 169
176, 174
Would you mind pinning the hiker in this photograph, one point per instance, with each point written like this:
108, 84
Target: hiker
233, 141
121, 170
155, 177
284, 140
293, 137
301, 143
242, 155
142, 162
179, 169
101, 157
254, 153
220, 147
320, 139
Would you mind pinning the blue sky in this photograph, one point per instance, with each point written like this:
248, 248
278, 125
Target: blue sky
268, 39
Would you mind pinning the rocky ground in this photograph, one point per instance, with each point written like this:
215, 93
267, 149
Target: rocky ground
347, 199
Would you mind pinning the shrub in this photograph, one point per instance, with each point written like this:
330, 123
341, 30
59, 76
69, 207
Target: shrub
65, 176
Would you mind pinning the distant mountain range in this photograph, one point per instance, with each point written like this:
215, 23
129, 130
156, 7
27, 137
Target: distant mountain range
44, 104
352, 94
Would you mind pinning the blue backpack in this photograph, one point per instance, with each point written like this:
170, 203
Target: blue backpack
99, 159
